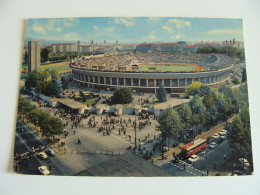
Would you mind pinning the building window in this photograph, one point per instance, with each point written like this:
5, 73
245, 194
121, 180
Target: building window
121, 81
195, 79
135, 82
96, 79
212, 79
114, 81
108, 80
101, 80
202, 80
189, 81
182, 82
86, 78
174, 82
143, 82
128, 82
158, 82
91, 79
207, 80
166, 82
150, 82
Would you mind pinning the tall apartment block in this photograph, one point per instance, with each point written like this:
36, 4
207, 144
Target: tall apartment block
34, 51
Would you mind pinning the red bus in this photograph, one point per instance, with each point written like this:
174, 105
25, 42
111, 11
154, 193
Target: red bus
193, 147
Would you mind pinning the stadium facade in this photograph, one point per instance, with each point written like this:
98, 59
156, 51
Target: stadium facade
217, 70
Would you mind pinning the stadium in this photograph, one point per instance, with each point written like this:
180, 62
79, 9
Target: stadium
144, 72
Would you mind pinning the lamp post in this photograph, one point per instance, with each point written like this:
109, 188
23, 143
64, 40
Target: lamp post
135, 134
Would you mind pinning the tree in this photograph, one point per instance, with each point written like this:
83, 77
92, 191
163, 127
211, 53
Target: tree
53, 88
169, 123
236, 81
33, 116
193, 89
198, 111
244, 76
32, 80
240, 137
65, 83
185, 114
161, 94
45, 55
122, 95
203, 90
210, 101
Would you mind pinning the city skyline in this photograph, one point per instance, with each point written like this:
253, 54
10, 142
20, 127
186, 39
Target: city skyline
135, 30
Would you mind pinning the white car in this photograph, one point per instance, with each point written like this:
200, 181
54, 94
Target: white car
212, 145
244, 162
216, 135
193, 158
222, 132
44, 170
42, 155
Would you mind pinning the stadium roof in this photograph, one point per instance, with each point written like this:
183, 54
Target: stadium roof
168, 44
145, 45
126, 165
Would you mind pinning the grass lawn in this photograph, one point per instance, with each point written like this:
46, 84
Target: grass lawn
55, 68
165, 68
89, 102
125, 105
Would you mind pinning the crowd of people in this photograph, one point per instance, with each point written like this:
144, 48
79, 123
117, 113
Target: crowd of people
117, 62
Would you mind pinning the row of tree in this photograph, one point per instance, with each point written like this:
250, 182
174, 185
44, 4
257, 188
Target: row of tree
230, 51
49, 125
47, 82
208, 107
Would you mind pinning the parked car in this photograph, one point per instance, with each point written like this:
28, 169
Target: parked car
50, 152
222, 137
216, 135
42, 155
213, 145
43, 170
193, 158
244, 162
210, 139
222, 132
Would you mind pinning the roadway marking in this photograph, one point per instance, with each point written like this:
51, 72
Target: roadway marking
181, 168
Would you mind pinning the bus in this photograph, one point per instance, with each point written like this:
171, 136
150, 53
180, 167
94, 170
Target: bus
193, 147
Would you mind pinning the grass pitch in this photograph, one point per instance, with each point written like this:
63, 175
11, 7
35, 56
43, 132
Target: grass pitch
165, 68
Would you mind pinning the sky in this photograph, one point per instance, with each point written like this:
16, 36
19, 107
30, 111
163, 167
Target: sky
135, 29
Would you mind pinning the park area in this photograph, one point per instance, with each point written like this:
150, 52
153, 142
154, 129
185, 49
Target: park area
56, 66
176, 67
59, 67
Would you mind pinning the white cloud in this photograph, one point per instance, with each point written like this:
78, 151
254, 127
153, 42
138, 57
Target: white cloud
125, 21
225, 31
95, 27
168, 29
68, 24
179, 23
177, 36
151, 36
110, 29
52, 25
39, 29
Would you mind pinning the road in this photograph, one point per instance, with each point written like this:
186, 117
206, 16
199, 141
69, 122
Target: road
60, 165
207, 160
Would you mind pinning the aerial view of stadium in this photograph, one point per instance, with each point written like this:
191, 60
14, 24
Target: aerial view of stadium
156, 106
144, 72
